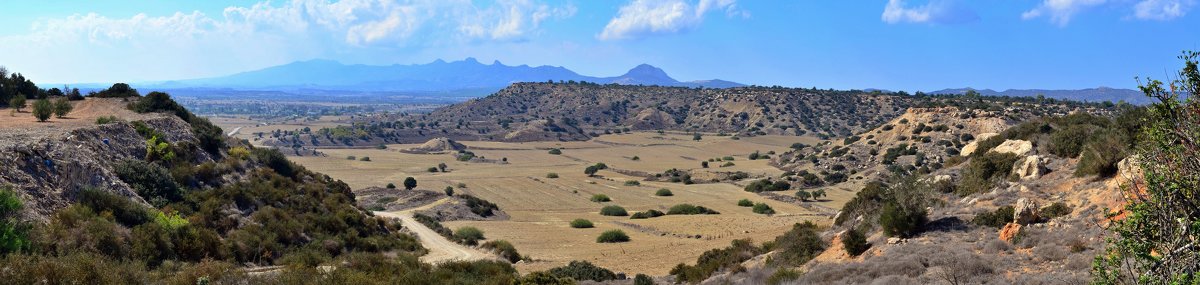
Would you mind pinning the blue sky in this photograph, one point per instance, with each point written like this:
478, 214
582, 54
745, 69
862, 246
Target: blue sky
900, 45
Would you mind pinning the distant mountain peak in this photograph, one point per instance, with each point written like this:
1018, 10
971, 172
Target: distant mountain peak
471, 60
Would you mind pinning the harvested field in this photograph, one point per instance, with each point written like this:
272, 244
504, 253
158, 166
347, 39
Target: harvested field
540, 208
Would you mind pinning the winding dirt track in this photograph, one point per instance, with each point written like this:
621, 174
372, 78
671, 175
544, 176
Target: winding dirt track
440, 249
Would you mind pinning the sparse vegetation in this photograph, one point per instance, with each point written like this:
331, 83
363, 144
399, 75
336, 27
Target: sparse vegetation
468, 235
663, 192
552, 175
504, 249
598, 198
745, 203
613, 210
612, 236
581, 224
647, 214
763, 208
689, 209
997, 219
583, 270
555, 151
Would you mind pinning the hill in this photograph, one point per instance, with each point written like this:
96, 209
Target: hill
579, 111
1099, 94
439, 75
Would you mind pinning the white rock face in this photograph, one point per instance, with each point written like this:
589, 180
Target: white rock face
1029, 168
970, 147
1025, 212
1017, 147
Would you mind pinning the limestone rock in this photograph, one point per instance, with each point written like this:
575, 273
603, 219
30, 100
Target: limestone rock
1010, 231
1029, 168
970, 147
1017, 147
895, 240
1025, 212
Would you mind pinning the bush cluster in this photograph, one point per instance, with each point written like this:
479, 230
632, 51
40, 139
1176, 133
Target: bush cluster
612, 236
647, 214
768, 185
689, 209
996, 219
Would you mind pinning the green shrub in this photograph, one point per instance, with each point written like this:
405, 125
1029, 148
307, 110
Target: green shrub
150, 180
42, 109
612, 236
276, 161
663, 192
552, 175
410, 183
997, 219
689, 209
1068, 142
598, 198
365, 158
106, 119
714, 260
632, 183
768, 185
481, 207
391, 186
799, 245
855, 242
122, 209
1102, 153
984, 171
613, 210
642, 279
783, 275
431, 169
899, 221
545, 278
433, 224
745, 203
1058, 209
468, 235
727, 164
583, 270
14, 234
555, 151
763, 208
647, 214
504, 249
449, 191
581, 224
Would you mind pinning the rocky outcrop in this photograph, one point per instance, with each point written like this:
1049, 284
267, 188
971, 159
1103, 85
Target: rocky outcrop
1010, 232
1029, 168
50, 167
1025, 212
970, 147
1017, 147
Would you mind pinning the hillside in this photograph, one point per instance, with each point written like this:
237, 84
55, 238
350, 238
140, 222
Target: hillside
579, 111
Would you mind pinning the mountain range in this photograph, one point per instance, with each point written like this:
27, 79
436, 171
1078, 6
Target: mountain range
1098, 94
435, 76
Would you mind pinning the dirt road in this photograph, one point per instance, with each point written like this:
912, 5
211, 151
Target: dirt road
440, 248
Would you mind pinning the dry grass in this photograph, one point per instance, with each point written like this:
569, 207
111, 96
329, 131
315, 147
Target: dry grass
541, 208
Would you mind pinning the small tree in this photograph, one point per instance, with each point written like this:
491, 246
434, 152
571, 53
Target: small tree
442, 166
391, 186
61, 107
704, 164
449, 191
17, 102
696, 137
410, 183
42, 109
803, 195
591, 170
854, 242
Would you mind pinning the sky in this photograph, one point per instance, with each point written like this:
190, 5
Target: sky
857, 44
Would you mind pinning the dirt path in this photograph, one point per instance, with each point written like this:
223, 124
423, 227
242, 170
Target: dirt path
440, 249
235, 131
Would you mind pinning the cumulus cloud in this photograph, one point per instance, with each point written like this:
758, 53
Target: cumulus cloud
642, 18
1161, 10
935, 11
267, 33
1060, 11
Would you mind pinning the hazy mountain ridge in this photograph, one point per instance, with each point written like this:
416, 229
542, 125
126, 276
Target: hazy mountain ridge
1098, 94
438, 75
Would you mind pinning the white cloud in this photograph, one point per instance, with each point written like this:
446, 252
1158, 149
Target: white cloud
1161, 10
641, 18
935, 11
183, 45
1060, 11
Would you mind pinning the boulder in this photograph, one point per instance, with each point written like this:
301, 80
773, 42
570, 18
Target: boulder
1017, 147
1010, 232
1029, 168
1025, 212
970, 147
